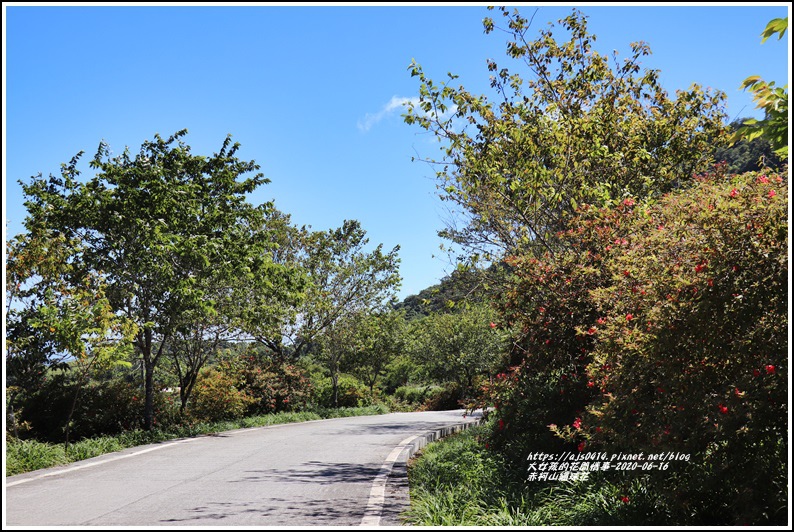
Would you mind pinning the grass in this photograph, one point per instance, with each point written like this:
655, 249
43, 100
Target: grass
458, 482
23, 456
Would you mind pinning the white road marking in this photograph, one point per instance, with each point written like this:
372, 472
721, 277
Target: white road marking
377, 495
92, 464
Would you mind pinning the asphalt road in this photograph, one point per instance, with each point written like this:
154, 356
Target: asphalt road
319, 473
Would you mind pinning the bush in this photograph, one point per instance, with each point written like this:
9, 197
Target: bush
103, 408
271, 385
215, 397
662, 327
23, 455
692, 354
450, 397
416, 394
351, 392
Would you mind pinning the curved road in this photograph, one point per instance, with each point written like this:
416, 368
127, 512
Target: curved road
303, 474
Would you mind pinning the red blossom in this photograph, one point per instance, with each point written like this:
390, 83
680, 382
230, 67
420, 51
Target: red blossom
763, 179
624, 500
629, 317
723, 408
700, 267
590, 384
770, 369
591, 330
756, 373
577, 423
628, 202
493, 325
734, 193
501, 424
772, 193
601, 321
581, 447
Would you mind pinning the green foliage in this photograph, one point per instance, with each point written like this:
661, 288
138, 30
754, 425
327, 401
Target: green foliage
271, 385
216, 398
661, 327
24, 455
771, 99
571, 129
748, 156
171, 234
457, 347
380, 336
350, 392
417, 394
459, 482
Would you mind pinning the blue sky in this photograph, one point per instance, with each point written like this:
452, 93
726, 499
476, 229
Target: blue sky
311, 93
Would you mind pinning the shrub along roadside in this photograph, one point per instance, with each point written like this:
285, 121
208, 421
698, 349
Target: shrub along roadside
460, 482
29, 455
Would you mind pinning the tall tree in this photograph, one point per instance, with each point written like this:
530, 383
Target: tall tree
570, 128
458, 347
344, 278
159, 225
380, 338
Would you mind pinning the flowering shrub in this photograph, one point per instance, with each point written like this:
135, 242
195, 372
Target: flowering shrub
215, 397
692, 354
662, 327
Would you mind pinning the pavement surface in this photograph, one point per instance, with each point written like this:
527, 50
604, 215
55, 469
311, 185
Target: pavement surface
318, 473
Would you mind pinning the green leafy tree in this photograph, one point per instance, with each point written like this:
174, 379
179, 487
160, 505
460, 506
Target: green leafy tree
380, 338
344, 278
570, 129
346, 282
458, 347
80, 326
771, 99
160, 226
748, 155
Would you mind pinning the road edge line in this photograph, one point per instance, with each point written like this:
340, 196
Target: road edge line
377, 494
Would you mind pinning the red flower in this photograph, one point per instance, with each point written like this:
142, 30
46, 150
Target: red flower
700, 267
756, 373
626, 273
628, 202
590, 384
581, 447
591, 330
601, 321
770, 369
629, 317
501, 424
493, 325
577, 423
772, 194
763, 179
624, 500
723, 408
734, 193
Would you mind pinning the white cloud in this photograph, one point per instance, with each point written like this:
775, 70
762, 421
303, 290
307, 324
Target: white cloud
397, 103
